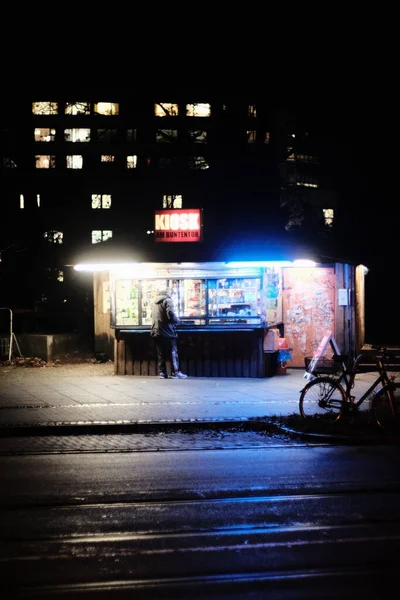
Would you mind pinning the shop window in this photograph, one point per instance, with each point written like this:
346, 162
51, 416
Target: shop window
21, 201
54, 237
238, 299
101, 235
131, 162
45, 135
198, 110
251, 136
45, 161
74, 161
106, 108
45, 108
127, 303
198, 136
77, 108
329, 215
77, 135
166, 109
107, 158
166, 135
106, 135
198, 163
197, 301
252, 110
172, 201
101, 200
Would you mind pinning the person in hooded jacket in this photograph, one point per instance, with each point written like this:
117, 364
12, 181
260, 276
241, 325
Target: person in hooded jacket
163, 330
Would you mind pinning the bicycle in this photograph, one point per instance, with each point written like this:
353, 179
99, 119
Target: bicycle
328, 395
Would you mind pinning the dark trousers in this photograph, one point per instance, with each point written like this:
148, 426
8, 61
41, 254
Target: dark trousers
167, 348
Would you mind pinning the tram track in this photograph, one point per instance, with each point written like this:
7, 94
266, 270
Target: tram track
150, 547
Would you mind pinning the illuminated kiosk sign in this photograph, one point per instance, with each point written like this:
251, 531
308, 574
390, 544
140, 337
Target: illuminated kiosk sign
178, 225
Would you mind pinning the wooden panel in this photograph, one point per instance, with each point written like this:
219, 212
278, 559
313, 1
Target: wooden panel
359, 307
128, 359
121, 362
103, 334
203, 354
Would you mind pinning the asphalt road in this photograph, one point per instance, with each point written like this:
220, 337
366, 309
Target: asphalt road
286, 521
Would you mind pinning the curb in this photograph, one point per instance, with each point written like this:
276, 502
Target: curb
72, 428
113, 427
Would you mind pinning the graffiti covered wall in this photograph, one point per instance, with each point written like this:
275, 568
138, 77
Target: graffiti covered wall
308, 309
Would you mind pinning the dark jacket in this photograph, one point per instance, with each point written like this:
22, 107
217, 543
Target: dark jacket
163, 317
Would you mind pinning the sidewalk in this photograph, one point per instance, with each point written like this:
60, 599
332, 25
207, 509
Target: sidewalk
90, 395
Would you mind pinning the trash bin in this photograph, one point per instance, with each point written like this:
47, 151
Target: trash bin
284, 354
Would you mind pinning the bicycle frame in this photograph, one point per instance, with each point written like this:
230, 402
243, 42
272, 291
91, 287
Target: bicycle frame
348, 376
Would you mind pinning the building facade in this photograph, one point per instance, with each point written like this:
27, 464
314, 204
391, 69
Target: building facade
83, 172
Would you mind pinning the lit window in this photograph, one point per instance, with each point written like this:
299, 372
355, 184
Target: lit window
77, 135
172, 201
107, 158
21, 201
291, 157
45, 135
252, 111
198, 110
45, 162
198, 136
166, 135
74, 161
45, 108
267, 137
307, 158
329, 215
101, 200
131, 162
38, 199
198, 163
54, 237
106, 108
77, 108
251, 137
166, 109
306, 181
101, 235
55, 274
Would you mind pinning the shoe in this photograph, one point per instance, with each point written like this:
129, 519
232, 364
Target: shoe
163, 376
178, 375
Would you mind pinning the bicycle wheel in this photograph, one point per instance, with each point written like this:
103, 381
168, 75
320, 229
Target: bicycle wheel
386, 408
322, 398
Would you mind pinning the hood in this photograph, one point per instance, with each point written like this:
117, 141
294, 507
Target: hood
158, 299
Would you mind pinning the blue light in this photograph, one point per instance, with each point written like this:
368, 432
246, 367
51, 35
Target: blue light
259, 263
